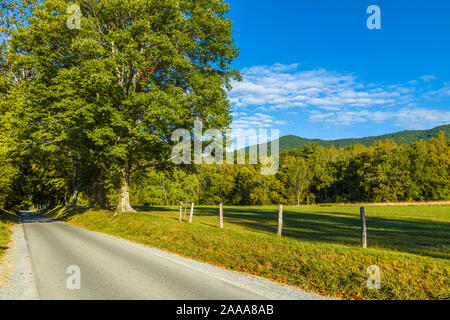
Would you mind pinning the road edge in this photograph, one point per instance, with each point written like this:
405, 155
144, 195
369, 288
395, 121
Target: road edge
21, 282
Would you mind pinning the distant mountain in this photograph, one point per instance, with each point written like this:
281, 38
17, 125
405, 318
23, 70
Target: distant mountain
404, 137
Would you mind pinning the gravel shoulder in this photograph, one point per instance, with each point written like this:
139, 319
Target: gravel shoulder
16, 275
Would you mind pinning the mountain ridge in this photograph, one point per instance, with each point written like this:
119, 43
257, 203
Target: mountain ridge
405, 137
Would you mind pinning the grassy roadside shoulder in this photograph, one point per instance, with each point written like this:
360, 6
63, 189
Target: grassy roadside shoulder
7, 219
330, 269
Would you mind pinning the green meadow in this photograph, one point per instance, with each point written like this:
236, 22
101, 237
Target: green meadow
7, 219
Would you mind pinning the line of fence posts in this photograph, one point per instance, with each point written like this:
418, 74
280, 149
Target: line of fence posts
185, 205
280, 220
280, 216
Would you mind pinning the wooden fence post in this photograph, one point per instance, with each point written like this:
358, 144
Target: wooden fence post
192, 213
221, 215
363, 228
280, 220
181, 211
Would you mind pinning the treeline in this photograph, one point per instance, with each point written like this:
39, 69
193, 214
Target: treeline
384, 172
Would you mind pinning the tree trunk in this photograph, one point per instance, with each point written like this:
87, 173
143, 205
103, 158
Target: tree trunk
76, 185
123, 204
97, 195
76, 193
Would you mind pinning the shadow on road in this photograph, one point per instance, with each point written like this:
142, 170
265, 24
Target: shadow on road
33, 217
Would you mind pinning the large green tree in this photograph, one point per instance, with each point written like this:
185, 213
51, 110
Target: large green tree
110, 93
13, 158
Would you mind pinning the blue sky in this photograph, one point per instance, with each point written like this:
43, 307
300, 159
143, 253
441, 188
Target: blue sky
312, 67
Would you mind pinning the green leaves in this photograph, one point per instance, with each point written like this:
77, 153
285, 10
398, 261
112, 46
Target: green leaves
113, 91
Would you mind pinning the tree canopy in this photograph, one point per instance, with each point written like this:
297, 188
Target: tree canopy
107, 96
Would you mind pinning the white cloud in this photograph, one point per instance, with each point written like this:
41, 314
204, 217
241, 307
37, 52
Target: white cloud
333, 98
282, 87
416, 118
445, 91
428, 78
421, 118
256, 121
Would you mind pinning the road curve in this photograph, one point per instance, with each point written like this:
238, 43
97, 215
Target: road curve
112, 269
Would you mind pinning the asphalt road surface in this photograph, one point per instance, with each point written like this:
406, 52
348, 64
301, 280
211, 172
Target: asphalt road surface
111, 268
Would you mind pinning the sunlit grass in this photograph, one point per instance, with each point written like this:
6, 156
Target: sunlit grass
6, 220
319, 251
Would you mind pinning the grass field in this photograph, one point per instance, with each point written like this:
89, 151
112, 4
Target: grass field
319, 251
6, 220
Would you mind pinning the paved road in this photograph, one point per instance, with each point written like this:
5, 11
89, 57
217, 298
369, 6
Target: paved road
117, 269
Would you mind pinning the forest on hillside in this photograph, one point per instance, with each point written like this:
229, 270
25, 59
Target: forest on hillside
385, 172
406, 137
